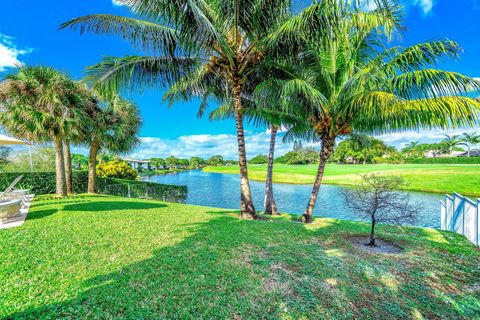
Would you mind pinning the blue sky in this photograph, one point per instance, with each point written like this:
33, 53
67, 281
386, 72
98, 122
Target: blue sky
28, 34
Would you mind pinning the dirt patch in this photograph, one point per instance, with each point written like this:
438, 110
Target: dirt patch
382, 246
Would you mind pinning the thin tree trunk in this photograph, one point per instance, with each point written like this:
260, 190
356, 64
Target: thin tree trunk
92, 166
372, 232
68, 166
269, 200
327, 149
61, 183
468, 153
247, 210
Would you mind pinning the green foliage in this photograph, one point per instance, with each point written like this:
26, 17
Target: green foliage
363, 149
260, 159
300, 155
43, 160
44, 183
176, 163
5, 153
216, 161
115, 258
157, 163
445, 160
197, 163
116, 169
79, 162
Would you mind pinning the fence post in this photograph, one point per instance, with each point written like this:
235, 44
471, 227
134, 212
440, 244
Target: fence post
146, 191
477, 222
129, 193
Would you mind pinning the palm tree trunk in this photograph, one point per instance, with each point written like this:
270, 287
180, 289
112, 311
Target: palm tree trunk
325, 153
247, 210
68, 166
468, 152
269, 200
92, 166
61, 183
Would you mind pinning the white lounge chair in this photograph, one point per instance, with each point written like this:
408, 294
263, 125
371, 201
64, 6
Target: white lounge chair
9, 209
13, 194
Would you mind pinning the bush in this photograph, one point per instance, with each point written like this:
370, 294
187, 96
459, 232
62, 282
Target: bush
260, 159
44, 183
116, 169
456, 160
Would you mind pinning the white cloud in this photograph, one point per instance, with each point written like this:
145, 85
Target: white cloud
425, 5
117, 3
400, 139
9, 53
207, 145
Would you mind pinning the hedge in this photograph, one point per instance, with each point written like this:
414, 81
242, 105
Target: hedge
44, 183
453, 160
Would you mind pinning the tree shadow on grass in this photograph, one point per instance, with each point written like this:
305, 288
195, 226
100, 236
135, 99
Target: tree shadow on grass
232, 269
111, 205
39, 214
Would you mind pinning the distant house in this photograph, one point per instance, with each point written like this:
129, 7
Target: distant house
473, 153
138, 164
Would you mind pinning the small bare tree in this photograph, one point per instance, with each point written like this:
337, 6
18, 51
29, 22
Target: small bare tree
377, 197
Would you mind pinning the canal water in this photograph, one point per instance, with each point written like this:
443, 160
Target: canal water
223, 191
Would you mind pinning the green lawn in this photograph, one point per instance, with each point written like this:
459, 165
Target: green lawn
442, 178
106, 257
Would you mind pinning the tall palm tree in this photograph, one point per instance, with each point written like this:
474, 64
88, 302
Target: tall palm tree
223, 41
349, 81
470, 140
114, 124
41, 104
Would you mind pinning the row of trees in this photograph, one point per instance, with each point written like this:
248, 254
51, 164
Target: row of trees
322, 73
43, 105
444, 147
194, 162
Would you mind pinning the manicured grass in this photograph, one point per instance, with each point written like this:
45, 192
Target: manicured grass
441, 178
106, 257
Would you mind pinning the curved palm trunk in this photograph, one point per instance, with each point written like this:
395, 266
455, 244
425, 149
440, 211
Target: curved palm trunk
325, 153
247, 210
60, 180
92, 166
68, 166
269, 200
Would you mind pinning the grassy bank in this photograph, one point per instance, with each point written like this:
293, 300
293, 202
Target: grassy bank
442, 178
106, 257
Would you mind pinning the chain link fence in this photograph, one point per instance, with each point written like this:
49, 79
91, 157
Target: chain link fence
150, 191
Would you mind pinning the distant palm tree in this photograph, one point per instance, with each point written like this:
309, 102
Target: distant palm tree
451, 142
350, 82
470, 140
411, 147
41, 104
222, 41
113, 124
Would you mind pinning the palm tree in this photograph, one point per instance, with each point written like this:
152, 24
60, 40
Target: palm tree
42, 105
470, 140
411, 148
114, 124
349, 81
452, 142
196, 41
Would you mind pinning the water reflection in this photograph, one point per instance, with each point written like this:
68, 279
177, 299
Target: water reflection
222, 191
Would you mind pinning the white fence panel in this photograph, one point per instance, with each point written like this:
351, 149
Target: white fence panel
461, 215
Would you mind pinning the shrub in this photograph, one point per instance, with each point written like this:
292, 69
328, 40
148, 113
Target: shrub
116, 169
453, 160
260, 159
44, 183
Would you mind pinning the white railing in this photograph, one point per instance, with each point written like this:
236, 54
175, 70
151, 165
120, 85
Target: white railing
461, 215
